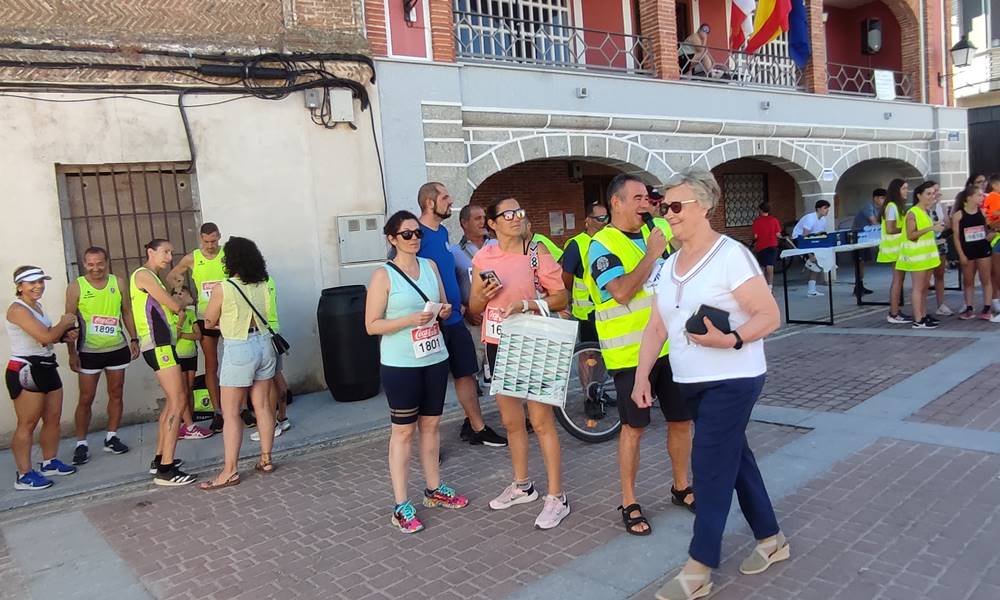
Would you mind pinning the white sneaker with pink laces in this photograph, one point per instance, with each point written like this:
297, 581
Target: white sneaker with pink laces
513, 494
553, 512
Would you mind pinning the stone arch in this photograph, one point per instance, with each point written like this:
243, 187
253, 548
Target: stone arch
622, 154
856, 183
891, 154
804, 167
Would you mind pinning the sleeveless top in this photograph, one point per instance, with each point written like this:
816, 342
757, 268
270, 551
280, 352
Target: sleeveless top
237, 317
22, 345
152, 320
397, 349
206, 271
185, 348
973, 234
100, 315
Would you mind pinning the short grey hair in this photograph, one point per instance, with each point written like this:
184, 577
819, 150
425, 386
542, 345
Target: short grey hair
702, 183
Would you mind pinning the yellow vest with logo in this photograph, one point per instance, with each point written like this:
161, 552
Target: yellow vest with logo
583, 304
100, 313
921, 255
888, 246
549, 244
620, 328
205, 272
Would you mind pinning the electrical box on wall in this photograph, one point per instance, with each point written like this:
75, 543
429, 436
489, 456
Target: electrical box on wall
341, 105
361, 238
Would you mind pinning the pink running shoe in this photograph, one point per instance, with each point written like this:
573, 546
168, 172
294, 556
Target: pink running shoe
967, 314
405, 518
512, 495
553, 512
194, 433
445, 497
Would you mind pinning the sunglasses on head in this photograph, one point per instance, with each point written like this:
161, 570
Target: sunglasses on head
510, 215
409, 234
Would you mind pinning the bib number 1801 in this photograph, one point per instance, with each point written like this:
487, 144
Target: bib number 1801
427, 340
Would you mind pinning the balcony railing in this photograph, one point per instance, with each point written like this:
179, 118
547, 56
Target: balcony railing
853, 80
721, 65
486, 37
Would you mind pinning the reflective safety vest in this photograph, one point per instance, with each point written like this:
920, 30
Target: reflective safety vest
185, 348
888, 246
620, 328
205, 272
583, 304
549, 244
921, 255
272, 307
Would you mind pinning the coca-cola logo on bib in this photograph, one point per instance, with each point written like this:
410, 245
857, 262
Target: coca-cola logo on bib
425, 333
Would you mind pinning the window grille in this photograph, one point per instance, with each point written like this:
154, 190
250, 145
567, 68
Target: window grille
743, 193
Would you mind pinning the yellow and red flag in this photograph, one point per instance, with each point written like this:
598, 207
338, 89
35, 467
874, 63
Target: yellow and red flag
769, 22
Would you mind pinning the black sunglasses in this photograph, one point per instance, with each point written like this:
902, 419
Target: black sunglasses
514, 213
676, 207
409, 234
600, 218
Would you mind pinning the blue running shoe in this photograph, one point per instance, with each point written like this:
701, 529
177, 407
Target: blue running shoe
57, 467
32, 481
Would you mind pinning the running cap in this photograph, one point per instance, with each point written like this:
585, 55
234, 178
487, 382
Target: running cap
31, 275
654, 193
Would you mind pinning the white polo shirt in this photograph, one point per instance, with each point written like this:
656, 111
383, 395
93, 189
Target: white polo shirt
813, 222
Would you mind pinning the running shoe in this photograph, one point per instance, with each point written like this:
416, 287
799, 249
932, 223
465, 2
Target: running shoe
81, 455
944, 311
153, 464
255, 436
56, 467
995, 318
466, 434
285, 424
174, 478
986, 315
216, 425
512, 495
967, 314
814, 293
933, 320
553, 512
194, 433
115, 446
925, 323
404, 517
445, 497
249, 419
813, 266
899, 319
487, 437
31, 481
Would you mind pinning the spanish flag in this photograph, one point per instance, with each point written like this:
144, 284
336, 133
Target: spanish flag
769, 22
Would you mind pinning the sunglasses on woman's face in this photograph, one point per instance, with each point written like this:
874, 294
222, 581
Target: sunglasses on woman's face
600, 218
514, 213
409, 234
676, 207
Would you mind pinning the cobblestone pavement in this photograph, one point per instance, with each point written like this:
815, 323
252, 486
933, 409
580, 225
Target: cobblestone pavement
836, 372
896, 521
972, 404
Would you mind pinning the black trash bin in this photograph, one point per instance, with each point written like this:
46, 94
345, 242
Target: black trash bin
350, 355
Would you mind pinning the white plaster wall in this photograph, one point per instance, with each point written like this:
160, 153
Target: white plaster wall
265, 171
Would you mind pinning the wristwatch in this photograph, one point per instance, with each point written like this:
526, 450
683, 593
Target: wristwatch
739, 340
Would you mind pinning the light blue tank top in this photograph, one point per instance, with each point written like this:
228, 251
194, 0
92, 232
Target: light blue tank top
397, 348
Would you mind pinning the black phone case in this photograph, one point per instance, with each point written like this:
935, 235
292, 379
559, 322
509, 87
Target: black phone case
718, 317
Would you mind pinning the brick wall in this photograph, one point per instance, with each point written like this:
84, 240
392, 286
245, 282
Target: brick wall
657, 20
375, 26
781, 192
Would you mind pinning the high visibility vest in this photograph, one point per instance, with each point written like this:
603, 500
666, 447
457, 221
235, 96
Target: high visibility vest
583, 304
921, 255
889, 244
619, 328
549, 244
185, 348
100, 310
205, 272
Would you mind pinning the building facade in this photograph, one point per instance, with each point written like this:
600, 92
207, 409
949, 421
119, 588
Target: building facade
977, 86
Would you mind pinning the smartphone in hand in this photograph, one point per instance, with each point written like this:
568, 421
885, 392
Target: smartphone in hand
490, 276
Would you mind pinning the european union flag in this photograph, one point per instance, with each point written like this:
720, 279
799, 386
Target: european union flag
798, 34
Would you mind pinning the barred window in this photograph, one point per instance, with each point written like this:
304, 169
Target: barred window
743, 192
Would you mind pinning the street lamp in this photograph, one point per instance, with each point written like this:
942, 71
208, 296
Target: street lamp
961, 53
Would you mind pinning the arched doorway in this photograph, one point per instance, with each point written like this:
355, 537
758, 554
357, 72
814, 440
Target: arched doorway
855, 186
745, 183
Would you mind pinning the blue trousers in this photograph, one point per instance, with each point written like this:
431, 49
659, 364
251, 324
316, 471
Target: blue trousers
722, 461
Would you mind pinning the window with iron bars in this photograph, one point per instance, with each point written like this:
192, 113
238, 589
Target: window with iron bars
121, 207
534, 30
743, 193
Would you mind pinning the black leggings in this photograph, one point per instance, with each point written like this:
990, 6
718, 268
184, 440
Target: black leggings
415, 391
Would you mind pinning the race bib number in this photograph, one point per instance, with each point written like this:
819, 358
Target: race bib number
206, 289
974, 234
427, 340
494, 324
103, 326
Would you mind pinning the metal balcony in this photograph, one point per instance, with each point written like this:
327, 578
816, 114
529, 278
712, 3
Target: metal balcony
732, 67
854, 80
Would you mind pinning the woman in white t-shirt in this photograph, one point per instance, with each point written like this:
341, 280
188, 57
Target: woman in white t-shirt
719, 374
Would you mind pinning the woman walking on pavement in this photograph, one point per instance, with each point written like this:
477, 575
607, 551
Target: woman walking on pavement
972, 241
918, 253
890, 215
719, 367
236, 308
509, 277
151, 304
33, 378
414, 365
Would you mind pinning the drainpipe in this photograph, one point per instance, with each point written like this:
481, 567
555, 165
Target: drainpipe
945, 28
924, 87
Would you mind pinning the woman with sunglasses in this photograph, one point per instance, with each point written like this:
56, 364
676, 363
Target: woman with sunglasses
918, 253
504, 283
414, 364
33, 378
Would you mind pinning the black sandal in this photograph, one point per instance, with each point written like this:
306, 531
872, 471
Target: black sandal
679, 497
632, 522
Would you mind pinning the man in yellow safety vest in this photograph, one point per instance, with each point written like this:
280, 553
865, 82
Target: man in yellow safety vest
576, 269
625, 260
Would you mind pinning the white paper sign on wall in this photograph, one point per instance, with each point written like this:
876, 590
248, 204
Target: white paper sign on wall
885, 84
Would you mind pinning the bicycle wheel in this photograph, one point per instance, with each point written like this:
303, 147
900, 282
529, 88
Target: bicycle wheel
591, 411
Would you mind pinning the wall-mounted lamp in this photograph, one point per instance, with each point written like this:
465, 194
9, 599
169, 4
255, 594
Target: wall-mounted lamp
961, 56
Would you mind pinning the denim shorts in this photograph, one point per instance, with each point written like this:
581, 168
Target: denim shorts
246, 361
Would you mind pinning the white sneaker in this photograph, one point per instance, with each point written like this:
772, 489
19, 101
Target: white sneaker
944, 311
813, 266
553, 512
255, 436
814, 293
284, 425
996, 306
512, 495
995, 318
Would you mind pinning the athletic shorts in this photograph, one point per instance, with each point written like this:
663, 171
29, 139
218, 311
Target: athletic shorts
206, 332
673, 407
40, 374
461, 350
189, 364
92, 363
766, 257
415, 392
160, 357
588, 330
